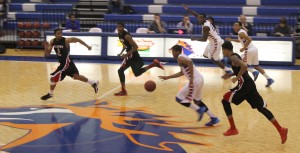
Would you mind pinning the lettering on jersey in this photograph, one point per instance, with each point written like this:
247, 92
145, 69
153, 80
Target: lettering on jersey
58, 48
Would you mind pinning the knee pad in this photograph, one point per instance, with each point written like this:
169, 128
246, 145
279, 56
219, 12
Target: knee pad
52, 83
199, 103
178, 100
227, 107
120, 70
184, 104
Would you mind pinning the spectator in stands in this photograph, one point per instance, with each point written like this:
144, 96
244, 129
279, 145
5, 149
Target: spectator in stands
72, 24
114, 3
283, 29
186, 24
212, 21
157, 26
245, 26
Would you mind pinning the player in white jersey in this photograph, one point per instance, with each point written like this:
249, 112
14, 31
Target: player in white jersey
250, 53
193, 89
209, 32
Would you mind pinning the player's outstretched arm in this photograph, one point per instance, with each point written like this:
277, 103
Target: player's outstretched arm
204, 36
190, 11
75, 40
176, 75
48, 47
123, 49
230, 39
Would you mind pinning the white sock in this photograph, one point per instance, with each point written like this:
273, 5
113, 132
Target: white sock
90, 81
51, 92
194, 106
266, 76
210, 114
250, 70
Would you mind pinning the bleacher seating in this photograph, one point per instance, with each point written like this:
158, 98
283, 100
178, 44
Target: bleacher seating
216, 10
264, 14
39, 1
173, 18
37, 7
219, 2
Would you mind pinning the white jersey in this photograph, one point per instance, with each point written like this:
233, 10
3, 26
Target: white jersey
243, 41
213, 35
186, 71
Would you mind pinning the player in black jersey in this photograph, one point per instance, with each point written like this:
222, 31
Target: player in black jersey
66, 65
245, 90
131, 58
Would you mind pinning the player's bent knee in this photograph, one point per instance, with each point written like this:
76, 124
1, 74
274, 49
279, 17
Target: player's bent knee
225, 101
184, 104
52, 83
178, 100
136, 74
120, 70
227, 96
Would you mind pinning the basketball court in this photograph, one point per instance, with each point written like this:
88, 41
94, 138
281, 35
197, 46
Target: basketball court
78, 120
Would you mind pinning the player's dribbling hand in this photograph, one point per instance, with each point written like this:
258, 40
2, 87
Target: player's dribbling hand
242, 49
228, 39
233, 80
185, 6
124, 55
89, 47
163, 77
226, 76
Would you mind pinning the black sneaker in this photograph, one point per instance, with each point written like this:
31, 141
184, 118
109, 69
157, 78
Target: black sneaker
47, 96
95, 86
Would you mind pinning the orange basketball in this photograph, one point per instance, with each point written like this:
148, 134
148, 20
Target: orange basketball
36, 34
21, 43
46, 25
28, 25
28, 34
20, 25
150, 86
21, 34
36, 25
35, 43
28, 43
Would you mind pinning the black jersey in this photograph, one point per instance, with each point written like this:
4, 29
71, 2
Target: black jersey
125, 43
61, 50
236, 69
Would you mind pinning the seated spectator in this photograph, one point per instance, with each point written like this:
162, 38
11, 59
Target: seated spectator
72, 24
245, 26
186, 24
115, 3
283, 29
212, 21
157, 26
